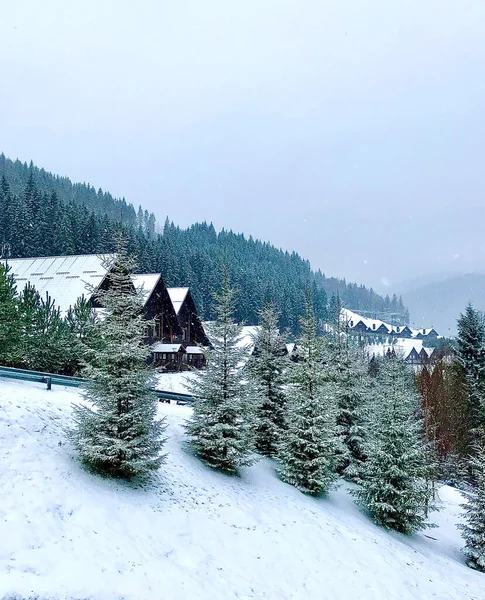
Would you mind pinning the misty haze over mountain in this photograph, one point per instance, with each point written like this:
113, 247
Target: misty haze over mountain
350, 132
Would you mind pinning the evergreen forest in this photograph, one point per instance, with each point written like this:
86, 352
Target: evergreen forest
42, 214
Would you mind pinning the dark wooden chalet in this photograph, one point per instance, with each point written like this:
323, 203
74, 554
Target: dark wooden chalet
359, 327
427, 334
381, 330
413, 357
158, 308
405, 332
193, 336
424, 356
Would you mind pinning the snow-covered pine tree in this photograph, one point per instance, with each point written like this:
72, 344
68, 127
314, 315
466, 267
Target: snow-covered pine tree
81, 321
395, 486
474, 528
117, 432
267, 368
352, 388
308, 448
10, 321
471, 356
220, 428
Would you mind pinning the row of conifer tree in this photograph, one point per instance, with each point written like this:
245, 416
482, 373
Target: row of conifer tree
322, 415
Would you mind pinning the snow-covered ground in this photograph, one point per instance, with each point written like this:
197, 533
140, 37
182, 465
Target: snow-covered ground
193, 533
174, 382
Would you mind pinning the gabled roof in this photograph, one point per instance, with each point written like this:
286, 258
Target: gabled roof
349, 316
168, 348
177, 296
194, 350
65, 278
146, 282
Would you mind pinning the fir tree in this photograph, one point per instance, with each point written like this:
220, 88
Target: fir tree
352, 390
308, 448
474, 528
395, 488
471, 355
267, 367
118, 432
81, 321
10, 321
46, 342
220, 428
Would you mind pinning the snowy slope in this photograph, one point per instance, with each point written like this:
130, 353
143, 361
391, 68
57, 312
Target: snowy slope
193, 533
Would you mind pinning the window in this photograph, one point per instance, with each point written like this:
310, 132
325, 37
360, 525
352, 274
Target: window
373, 325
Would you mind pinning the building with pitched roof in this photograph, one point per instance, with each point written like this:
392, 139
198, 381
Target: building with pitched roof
175, 333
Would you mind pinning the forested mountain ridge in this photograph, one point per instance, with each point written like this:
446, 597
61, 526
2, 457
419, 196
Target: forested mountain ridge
44, 215
17, 174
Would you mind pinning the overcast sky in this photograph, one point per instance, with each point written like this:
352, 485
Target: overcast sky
351, 131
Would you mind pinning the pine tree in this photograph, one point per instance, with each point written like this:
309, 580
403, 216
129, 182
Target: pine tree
352, 390
81, 321
395, 488
471, 355
474, 528
267, 367
220, 427
46, 338
118, 433
10, 321
308, 448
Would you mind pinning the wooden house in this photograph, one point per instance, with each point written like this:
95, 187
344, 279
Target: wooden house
360, 327
405, 332
413, 357
68, 278
430, 333
424, 356
189, 322
168, 356
381, 330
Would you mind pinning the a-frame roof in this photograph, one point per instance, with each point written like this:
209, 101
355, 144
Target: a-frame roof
147, 283
177, 296
65, 278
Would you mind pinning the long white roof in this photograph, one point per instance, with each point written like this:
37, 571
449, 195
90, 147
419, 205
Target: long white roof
65, 278
177, 296
352, 317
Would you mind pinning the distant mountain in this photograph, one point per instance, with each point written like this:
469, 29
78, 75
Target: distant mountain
439, 303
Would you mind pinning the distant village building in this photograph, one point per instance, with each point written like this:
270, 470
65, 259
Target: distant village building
177, 334
374, 327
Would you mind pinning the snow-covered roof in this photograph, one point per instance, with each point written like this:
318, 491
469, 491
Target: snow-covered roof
248, 335
146, 282
402, 346
65, 278
194, 350
161, 347
177, 296
290, 347
353, 318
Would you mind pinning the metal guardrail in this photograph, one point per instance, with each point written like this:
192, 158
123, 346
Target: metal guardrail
51, 379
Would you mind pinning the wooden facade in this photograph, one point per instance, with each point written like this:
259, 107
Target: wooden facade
193, 333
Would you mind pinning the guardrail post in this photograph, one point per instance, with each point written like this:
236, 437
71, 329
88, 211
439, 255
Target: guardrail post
48, 380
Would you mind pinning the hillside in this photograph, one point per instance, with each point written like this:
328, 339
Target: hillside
193, 533
440, 303
17, 173
45, 215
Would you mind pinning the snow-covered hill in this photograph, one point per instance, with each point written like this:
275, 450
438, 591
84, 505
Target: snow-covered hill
193, 533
